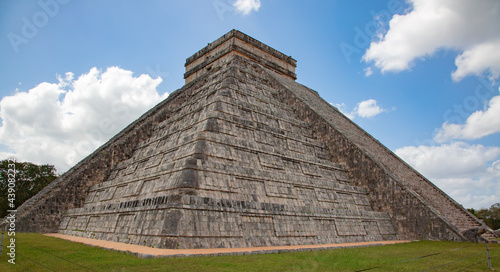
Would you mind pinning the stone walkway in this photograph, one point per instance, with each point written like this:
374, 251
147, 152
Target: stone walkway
149, 252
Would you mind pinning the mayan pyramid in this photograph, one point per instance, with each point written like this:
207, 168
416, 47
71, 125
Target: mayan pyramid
243, 155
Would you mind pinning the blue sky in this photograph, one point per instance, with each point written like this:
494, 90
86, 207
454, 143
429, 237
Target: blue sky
420, 76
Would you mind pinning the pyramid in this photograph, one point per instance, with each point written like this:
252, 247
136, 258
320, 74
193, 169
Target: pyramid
243, 155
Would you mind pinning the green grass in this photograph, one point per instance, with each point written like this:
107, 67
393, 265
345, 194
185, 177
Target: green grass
34, 250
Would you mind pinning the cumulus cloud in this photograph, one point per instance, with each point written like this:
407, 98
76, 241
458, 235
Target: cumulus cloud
343, 109
469, 27
479, 58
365, 109
455, 160
468, 173
246, 6
368, 108
61, 123
479, 124
368, 71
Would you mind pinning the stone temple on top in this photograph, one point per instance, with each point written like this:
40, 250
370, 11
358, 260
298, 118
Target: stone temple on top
242, 155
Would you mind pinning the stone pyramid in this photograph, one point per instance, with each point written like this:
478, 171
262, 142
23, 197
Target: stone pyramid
243, 155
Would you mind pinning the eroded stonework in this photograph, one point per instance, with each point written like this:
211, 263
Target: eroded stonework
232, 167
242, 156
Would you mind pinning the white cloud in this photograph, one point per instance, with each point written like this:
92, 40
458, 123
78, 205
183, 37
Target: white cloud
482, 57
368, 108
61, 123
246, 6
454, 160
471, 27
365, 109
478, 124
468, 173
368, 71
343, 109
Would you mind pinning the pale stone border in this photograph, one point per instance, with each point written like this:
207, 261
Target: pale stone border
149, 252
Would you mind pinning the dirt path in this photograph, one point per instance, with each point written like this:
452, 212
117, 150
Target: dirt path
144, 251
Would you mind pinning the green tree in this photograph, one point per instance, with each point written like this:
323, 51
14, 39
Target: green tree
29, 180
490, 216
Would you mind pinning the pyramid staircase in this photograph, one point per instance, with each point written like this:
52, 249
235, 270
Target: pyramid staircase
243, 155
433, 197
231, 167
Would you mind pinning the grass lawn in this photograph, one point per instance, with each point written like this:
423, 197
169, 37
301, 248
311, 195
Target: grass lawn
36, 252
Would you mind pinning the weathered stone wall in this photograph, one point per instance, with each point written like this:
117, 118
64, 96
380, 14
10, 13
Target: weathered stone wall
410, 211
235, 42
232, 167
43, 212
243, 156
436, 199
